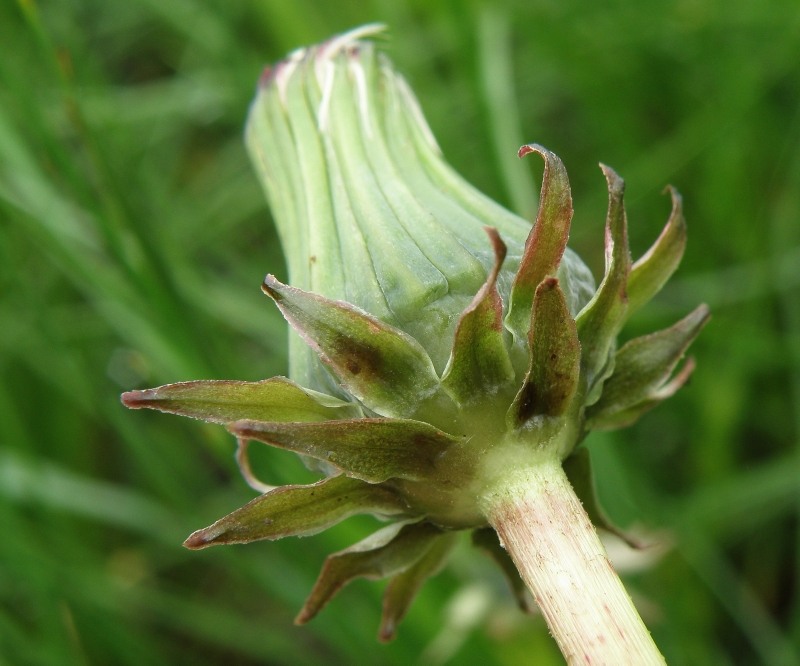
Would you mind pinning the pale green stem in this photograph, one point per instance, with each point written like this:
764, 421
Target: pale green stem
544, 528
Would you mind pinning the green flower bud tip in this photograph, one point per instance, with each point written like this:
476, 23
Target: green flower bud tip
440, 342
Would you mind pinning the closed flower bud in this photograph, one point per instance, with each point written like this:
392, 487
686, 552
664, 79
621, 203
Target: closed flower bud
441, 347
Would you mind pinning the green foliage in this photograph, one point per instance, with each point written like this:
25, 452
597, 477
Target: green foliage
133, 238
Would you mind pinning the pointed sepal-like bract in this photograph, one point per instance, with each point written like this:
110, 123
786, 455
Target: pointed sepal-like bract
626, 417
546, 242
643, 368
385, 553
601, 318
479, 364
403, 588
650, 272
555, 354
486, 539
299, 511
276, 399
385, 368
578, 468
373, 450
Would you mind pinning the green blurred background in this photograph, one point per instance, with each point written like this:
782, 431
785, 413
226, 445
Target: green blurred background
134, 237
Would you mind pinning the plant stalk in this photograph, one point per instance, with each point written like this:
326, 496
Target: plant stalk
544, 528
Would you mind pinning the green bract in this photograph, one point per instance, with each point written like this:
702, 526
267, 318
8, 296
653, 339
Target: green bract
441, 342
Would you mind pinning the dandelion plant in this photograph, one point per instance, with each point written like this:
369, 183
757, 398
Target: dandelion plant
447, 358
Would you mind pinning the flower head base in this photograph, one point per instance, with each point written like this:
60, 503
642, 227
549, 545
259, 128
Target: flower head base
442, 343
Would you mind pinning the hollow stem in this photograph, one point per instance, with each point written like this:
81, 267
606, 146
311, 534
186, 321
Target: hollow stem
544, 528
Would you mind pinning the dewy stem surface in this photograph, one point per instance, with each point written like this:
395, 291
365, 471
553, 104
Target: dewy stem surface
544, 528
